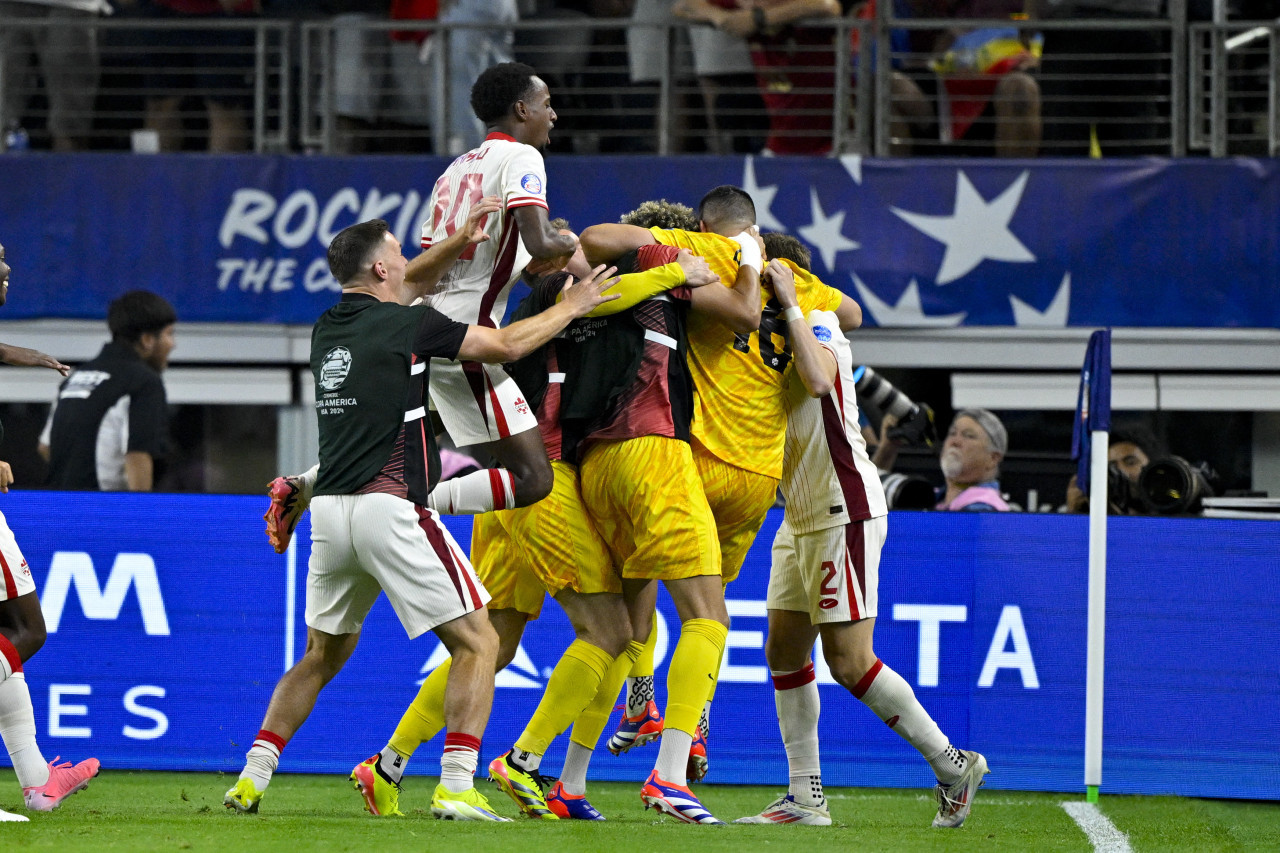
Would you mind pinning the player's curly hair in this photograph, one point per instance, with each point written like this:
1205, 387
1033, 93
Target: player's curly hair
662, 214
785, 246
498, 88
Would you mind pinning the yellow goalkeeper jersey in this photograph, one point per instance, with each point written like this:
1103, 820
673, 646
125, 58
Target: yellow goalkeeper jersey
738, 405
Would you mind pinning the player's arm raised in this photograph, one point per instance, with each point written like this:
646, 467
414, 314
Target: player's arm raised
814, 363
849, 313
425, 271
498, 346
610, 241
737, 307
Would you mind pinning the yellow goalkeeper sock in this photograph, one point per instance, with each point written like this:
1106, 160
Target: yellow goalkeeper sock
572, 685
424, 718
591, 722
694, 665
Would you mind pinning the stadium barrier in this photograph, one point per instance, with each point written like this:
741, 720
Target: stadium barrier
170, 620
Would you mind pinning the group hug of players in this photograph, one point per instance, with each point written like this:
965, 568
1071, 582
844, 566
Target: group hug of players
645, 442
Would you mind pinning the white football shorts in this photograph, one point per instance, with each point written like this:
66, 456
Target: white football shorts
15, 574
831, 574
478, 402
362, 545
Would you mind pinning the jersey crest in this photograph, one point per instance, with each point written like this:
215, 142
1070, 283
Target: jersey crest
334, 368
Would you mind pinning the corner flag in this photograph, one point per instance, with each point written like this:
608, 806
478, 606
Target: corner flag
1093, 404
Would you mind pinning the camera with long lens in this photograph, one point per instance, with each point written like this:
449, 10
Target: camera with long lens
907, 491
1173, 486
915, 420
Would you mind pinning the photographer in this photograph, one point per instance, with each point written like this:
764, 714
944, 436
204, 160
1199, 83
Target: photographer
971, 454
1143, 478
1129, 451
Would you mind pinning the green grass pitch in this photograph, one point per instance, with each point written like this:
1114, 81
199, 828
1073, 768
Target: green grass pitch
128, 811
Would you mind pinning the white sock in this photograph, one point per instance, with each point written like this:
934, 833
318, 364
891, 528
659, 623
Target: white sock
891, 698
574, 774
307, 484
639, 692
795, 694
392, 764
18, 728
262, 759
458, 764
526, 761
673, 756
480, 491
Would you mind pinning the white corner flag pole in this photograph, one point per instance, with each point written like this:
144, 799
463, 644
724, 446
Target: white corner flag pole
1095, 649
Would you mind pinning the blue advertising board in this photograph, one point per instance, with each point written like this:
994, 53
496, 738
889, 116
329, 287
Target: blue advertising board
170, 621
924, 243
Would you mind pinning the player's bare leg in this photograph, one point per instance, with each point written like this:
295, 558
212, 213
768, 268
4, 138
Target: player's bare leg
44, 785
291, 703
525, 456
704, 624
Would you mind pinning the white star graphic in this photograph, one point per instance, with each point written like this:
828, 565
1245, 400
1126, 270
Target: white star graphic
853, 165
763, 198
1055, 316
824, 232
976, 231
907, 312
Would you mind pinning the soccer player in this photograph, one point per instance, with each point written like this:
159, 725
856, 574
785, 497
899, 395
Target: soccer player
825, 573
481, 405
521, 554
738, 383
641, 486
44, 785
371, 532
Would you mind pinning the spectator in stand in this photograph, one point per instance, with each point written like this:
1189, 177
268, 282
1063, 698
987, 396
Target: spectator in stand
795, 65
973, 93
471, 51
215, 65
65, 57
381, 83
1103, 88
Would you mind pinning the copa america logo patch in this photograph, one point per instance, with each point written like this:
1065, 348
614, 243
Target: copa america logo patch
531, 183
822, 333
334, 368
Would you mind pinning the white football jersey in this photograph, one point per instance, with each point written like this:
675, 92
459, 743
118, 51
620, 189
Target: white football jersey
827, 477
475, 288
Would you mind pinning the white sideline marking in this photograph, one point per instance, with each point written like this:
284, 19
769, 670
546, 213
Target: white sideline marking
1102, 833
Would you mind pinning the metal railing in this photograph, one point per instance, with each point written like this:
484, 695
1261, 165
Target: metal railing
363, 85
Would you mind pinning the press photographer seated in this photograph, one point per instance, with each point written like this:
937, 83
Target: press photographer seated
1129, 451
970, 460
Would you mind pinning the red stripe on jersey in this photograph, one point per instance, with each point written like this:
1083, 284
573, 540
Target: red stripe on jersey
864, 684
10, 653
428, 526
833, 425
855, 549
526, 201
502, 268
272, 738
10, 582
792, 680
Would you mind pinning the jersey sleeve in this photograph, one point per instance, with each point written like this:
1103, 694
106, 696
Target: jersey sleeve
526, 180
634, 288
813, 295
148, 419
438, 336
826, 328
